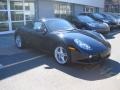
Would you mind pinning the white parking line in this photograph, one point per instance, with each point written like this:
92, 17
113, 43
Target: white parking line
13, 64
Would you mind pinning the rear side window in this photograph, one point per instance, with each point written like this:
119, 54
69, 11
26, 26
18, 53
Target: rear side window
37, 25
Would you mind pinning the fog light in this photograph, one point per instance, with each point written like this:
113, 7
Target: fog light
90, 56
71, 49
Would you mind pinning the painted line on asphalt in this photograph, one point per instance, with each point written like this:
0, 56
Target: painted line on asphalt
13, 64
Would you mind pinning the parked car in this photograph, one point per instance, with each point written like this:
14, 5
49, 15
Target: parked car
102, 18
112, 18
86, 22
118, 19
66, 43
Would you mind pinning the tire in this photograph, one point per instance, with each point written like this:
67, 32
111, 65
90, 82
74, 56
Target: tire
19, 41
62, 55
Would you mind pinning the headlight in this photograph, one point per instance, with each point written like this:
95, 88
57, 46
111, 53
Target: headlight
118, 20
106, 21
82, 44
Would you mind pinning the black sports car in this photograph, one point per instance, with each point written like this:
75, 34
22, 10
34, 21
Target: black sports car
117, 19
66, 43
86, 22
111, 18
102, 18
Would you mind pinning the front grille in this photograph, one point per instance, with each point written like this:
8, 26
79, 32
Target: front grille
96, 58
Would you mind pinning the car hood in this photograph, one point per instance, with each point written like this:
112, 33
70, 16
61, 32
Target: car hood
93, 40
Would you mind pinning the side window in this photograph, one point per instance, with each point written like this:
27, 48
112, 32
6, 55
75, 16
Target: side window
29, 24
37, 25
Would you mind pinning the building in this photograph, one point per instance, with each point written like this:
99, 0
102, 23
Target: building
16, 13
112, 6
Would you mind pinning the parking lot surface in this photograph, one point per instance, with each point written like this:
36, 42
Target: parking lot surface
29, 69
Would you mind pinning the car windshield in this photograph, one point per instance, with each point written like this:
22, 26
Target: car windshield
109, 16
85, 19
59, 24
116, 16
98, 16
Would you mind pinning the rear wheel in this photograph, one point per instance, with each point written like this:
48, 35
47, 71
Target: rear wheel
19, 41
61, 55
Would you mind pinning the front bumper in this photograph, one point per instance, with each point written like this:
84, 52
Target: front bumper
113, 26
103, 31
84, 58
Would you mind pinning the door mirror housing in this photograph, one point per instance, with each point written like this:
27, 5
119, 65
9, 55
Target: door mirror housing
43, 30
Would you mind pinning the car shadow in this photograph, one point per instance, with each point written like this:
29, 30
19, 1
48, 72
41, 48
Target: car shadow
86, 72
112, 34
90, 72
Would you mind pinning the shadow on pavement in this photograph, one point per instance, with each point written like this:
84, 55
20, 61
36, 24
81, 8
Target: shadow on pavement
90, 72
112, 34
87, 72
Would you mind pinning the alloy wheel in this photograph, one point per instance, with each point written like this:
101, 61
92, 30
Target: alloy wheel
61, 55
18, 41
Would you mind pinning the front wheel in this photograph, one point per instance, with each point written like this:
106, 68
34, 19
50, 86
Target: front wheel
61, 55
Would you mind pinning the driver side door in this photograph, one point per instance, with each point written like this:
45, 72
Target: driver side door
38, 35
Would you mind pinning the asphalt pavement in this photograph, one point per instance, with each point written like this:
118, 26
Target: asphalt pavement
29, 69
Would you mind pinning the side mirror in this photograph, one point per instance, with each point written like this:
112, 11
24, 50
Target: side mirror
43, 31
